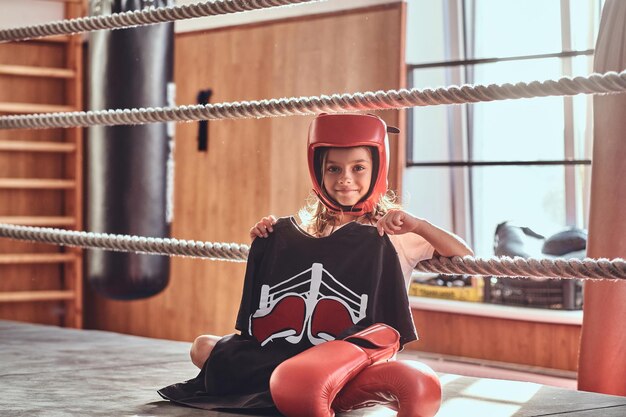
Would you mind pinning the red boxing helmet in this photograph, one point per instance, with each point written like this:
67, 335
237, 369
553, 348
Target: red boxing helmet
347, 131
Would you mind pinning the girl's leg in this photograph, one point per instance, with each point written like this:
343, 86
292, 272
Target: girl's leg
201, 348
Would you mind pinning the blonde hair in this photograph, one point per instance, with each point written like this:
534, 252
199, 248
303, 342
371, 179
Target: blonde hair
315, 217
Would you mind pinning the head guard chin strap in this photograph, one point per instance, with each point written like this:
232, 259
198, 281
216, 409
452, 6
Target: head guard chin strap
347, 131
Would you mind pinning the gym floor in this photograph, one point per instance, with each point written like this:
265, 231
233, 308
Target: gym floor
51, 371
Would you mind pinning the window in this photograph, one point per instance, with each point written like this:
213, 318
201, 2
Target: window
472, 166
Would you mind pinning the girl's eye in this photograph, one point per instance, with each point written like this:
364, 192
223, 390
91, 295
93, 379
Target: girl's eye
359, 168
332, 169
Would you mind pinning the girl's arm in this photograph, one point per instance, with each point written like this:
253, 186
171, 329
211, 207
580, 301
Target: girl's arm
445, 243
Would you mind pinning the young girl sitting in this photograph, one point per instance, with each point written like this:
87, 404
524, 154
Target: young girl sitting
344, 266
352, 187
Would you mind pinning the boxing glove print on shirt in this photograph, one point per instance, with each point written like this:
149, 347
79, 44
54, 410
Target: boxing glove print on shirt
312, 303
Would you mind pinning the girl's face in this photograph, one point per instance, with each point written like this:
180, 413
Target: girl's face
347, 174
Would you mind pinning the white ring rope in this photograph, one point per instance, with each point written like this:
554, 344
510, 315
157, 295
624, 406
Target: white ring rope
126, 243
146, 16
587, 268
610, 82
504, 267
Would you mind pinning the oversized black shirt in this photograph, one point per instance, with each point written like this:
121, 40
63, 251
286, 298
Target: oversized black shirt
299, 291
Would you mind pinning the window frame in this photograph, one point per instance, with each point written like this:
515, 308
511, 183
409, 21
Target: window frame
460, 132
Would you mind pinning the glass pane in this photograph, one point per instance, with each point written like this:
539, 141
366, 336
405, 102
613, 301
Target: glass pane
584, 21
583, 116
583, 190
426, 32
532, 196
527, 129
430, 134
501, 28
433, 77
512, 27
518, 130
518, 70
430, 124
428, 194
582, 65
437, 130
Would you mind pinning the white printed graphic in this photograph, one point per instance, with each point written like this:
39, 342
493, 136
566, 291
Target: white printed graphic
310, 287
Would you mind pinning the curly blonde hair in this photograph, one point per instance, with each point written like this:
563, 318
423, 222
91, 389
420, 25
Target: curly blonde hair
316, 218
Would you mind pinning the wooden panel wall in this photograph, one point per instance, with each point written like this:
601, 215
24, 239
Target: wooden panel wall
252, 167
15, 88
546, 345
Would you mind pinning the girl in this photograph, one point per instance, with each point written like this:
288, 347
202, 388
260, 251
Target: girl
352, 187
343, 267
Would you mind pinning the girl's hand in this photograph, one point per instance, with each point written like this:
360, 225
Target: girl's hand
263, 227
397, 222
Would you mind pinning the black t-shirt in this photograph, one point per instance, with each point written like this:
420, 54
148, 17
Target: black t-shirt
299, 291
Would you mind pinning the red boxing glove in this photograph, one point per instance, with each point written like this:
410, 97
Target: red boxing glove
306, 385
409, 387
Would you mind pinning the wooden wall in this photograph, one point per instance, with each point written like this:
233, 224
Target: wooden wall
26, 92
253, 167
546, 345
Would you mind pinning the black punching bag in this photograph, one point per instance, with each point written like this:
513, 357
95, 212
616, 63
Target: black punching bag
127, 166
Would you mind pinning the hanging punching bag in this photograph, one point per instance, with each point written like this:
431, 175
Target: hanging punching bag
127, 175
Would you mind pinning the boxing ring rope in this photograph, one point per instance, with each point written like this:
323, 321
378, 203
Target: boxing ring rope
126, 243
532, 267
610, 82
504, 267
142, 17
